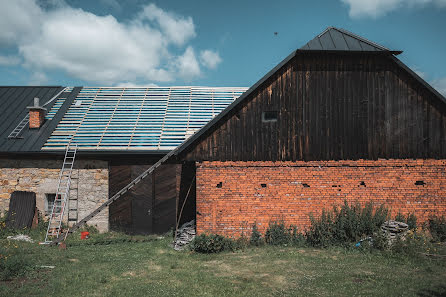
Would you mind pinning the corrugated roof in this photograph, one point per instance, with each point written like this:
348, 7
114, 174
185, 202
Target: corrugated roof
342, 40
143, 119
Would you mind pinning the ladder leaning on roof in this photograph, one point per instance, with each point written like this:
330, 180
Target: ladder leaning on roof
62, 195
116, 196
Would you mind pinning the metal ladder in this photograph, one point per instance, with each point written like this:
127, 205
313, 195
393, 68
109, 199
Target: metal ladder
73, 202
115, 197
17, 130
62, 195
15, 133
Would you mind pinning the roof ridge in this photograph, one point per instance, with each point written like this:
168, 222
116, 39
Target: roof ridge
360, 38
333, 38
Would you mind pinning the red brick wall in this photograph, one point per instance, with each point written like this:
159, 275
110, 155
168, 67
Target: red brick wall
292, 190
36, 118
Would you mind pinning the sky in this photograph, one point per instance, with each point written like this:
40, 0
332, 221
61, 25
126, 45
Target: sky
200, 42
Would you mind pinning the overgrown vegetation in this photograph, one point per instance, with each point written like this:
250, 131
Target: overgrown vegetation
410, 220
213, 243
256, 237
437, 228
345, 225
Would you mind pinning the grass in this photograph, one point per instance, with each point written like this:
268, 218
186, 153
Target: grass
104, 265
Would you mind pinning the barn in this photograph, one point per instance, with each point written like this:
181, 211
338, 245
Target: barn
118, 133
341, 118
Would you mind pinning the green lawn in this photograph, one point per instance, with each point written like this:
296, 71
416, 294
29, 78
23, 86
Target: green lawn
152, 268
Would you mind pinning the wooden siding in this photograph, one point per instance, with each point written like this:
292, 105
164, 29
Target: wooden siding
331, 107
149, 207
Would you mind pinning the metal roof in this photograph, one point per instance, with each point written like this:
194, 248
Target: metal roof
342, 40
13, 103
138, 119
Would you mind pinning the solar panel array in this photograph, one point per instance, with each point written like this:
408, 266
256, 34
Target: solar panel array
154, 118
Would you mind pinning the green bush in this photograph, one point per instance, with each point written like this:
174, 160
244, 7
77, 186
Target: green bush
410, 220
412, 244
437, 228
277, 234
213, 243
256, 237
345, 225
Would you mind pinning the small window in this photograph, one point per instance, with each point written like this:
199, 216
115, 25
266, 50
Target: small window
49, 201
269, 116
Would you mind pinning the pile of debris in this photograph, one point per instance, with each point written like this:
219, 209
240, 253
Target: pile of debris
393, 229
20, 237
184, 235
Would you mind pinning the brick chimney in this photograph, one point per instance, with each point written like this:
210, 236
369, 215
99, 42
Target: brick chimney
36, 115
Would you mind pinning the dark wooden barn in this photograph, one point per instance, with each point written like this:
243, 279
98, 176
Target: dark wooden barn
340, 118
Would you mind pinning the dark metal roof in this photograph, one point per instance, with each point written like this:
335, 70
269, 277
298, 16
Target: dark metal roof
13, 103
378, 50
342, 40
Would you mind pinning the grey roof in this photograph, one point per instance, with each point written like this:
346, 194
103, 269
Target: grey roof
341, 40
13, 103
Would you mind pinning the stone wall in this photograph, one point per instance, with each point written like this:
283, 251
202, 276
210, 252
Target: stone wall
232, 196
89, 184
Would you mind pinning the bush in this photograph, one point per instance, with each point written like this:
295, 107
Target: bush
437, 228
277, 234
345, 225
410, 220
411, 245
256, 238
213, 243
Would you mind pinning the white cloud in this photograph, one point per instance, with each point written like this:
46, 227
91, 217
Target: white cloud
188, 66
178, 29
134, 85
38, 78
378, 8
210, 59
440, 85
101, 49
9, 60
19, 20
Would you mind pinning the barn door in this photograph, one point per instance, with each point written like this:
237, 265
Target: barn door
142, 202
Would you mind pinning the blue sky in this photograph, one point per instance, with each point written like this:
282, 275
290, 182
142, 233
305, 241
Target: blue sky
209, 43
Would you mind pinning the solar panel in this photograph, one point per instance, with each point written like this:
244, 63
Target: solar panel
154, 118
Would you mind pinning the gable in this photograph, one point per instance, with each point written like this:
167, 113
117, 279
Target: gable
330, 106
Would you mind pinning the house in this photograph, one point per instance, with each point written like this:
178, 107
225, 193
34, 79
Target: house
341, 118
119, 132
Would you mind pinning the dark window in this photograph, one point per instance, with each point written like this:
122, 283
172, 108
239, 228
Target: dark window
269, 116
49, 201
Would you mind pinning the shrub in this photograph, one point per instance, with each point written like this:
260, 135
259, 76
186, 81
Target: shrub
277, 234
437, 228
345, 225
411, 245
410, 220
256, 238
212, 243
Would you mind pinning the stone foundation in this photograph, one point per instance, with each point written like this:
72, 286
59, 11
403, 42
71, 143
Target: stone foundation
90, 178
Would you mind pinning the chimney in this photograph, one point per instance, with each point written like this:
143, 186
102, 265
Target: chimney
36, 114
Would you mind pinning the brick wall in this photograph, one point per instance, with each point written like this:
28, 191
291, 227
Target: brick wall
231, 196
90, 178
